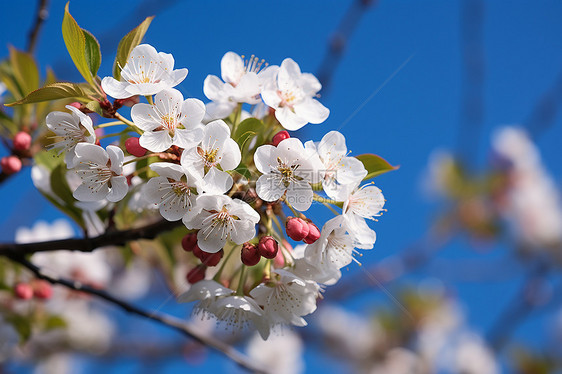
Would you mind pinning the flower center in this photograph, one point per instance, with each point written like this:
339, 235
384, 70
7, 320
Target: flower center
209, 156
287, 171
94, 175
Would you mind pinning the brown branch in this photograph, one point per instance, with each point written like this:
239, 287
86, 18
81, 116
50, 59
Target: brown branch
166, 320
41, 16
89, 244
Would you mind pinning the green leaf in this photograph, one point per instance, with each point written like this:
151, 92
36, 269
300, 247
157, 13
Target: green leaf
24, 70
75, 42
93, 53
127, 44
60, 188
244, 171
22, 325
54, 322
56, 91
375, 165
246, 130
94, 106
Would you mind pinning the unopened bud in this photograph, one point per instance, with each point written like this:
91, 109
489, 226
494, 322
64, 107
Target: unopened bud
10, 164
189, 241
130, 101
76, 104
268, 247
211, 259
196, 274
22, 141
42, 290
250, 255
297, 228
313, 233
133, 147
23, 291
279, 137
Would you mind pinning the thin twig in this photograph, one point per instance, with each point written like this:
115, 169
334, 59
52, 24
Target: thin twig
41, 16
119, 237
169, 321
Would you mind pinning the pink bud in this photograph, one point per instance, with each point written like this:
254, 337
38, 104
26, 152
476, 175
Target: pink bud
297, 228
10, 164
313, 233
250, 255
268, 247
76, 104
279, 137
133, 147
43, 290
196, 274
130, 101
23, 291
211, 259
189, 242
279, 260
22, 141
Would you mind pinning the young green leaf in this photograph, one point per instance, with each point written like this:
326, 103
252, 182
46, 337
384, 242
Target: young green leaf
93, 53
75, 42
126, 45
56, 91
375, 165
246, 130
24, 70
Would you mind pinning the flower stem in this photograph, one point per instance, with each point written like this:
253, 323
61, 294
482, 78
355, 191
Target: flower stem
217, 276
149, 99
292, 209
108, 124
141, 158
127, 122
240, 289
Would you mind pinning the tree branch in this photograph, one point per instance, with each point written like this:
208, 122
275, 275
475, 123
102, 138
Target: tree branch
169, 321
119, 237
42, 14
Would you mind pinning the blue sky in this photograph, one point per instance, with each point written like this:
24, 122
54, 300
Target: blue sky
417, 111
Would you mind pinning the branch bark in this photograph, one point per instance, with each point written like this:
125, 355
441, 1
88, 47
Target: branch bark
41, 16
166, 320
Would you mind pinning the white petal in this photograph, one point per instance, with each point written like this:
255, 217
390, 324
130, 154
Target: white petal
289, 72
192, 162
187, 138
215, 134
168, 101
232, 67
211, 241
299, 195
230, 155
178, 76
145, 117
157, 141
84, 193
168, 170
350, 171
309, 84
84, 120
116, 157
271, 98
194, 111
218, 110
265, 158
119, 188
213, 87
270, 187
217, 182
145, 89
311, 110
92, 152
288, 119
114, 88
243, 231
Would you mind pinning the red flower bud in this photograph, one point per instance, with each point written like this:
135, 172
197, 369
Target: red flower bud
297, 228
76, 104
279, 137
189, 242
313, 233
268, 247
23, 291
10, 164
196, 274
22, 141
211, 259
133, 147
42, 290
250, 255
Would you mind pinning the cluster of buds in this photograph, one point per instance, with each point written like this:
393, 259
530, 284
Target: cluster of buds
39, 289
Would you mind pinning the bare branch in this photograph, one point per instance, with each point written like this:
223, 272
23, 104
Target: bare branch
119, 237
42, 14
172, 322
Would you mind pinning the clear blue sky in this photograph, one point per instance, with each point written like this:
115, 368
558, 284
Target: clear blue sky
415, 112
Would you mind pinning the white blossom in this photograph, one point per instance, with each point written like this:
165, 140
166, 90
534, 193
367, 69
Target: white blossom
237, 313
170, 121
291, 93
281, 353
146, 72
101, 173
220, 218
72, 128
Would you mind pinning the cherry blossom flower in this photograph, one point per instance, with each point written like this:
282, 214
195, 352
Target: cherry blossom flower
243, 82
282, 353
216, 150
237, 313
101, 173
286, 300
146, 72
331, 252
220, 218
337, 169
174, 190
291, 93
72, 128
288, 169
170, 121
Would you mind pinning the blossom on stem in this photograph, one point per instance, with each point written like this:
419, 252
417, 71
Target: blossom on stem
291, 93
101, 173
220, 218
146, 72
215, 150
174, 190
286, 169
72, 128
170, 121
240, 312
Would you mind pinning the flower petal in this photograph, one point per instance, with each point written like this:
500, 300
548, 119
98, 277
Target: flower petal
114, 88
119, 188
270, 187
289, 119
157, 141
86, 193
193, 111
230, 155
232, 67
265, 158
311, 110
216, 182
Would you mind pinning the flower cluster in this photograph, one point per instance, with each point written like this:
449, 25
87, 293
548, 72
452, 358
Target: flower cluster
230, 171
